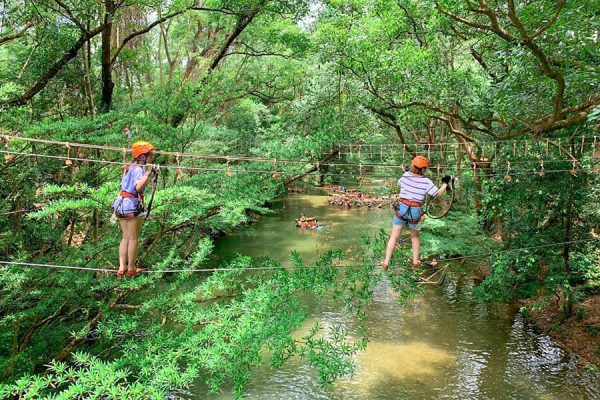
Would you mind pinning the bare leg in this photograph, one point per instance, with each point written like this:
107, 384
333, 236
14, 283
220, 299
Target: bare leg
396, 230
132, 247
138, 229
130, 230
414, 238
123, 248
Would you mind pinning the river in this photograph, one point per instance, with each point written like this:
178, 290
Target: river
443, 345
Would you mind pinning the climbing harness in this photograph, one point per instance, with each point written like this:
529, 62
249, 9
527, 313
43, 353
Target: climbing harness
140, 207
407, 214
123, 194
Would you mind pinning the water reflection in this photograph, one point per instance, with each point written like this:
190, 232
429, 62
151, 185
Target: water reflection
443, 345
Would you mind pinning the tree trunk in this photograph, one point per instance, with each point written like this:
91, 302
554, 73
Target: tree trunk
314, 168
129, 85
159, 53
87, 84
52, 71
567, 237
192, 63
459, 157
567, 290
477, 184
107, 82
242, 23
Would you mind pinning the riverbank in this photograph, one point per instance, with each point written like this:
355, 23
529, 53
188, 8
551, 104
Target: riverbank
580, 333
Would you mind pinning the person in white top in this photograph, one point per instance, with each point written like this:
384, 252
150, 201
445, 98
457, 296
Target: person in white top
414, 186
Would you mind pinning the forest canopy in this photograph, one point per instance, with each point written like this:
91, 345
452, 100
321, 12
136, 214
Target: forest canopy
247, 98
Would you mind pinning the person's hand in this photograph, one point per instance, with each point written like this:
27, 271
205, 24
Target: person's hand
446, 179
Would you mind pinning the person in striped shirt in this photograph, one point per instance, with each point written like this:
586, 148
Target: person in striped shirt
414, 186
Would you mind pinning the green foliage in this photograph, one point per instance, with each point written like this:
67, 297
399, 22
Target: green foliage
295, 80
581, 314
218, 331
558, 211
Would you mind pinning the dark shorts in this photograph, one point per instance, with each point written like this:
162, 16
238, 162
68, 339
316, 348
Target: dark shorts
128, 215
125, 207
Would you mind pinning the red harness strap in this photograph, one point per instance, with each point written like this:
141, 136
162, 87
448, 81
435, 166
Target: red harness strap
411, 203
131, 195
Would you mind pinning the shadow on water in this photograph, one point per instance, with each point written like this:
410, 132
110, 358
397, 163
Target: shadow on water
442, 345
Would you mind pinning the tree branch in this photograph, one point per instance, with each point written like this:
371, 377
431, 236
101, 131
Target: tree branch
17, 35
413, 22
390, 119
70, 16
258, 53
551, 22
163, 19
242, 23
314, 168
548, 70
579, 113
455, 17
43, 81
479, 58
92, 324
144, 31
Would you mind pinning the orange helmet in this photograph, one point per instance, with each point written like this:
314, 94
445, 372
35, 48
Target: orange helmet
141, 147
420, 162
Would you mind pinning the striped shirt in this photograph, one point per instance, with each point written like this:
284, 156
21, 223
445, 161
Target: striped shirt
414, 187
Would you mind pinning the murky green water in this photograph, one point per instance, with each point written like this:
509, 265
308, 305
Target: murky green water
444, 345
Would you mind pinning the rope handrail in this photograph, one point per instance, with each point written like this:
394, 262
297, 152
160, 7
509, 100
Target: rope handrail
226, 269
230, 158
399, 144
160, 152
479, 162
484, 159
269, 172
596, 139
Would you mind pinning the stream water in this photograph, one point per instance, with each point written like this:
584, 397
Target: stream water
443, 345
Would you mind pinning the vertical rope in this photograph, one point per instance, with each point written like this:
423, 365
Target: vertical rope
68, 161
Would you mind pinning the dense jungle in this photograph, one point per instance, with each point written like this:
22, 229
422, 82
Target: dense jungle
262, 112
